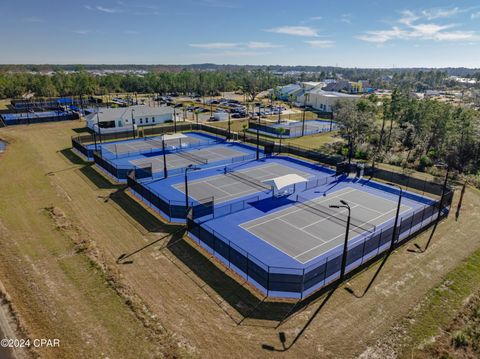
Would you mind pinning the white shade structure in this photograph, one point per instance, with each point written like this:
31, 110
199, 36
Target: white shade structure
281, 182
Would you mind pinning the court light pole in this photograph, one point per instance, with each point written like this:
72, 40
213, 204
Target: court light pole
98, 126
258, 139
444, 188
174, 120
189, 168
345, 244
165, 172
394, 233
133, 124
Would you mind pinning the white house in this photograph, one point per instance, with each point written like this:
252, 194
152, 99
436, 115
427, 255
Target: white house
324, 100
118, 119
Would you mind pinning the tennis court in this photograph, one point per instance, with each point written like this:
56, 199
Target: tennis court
172, 142
233, 184
310, 228
182, 159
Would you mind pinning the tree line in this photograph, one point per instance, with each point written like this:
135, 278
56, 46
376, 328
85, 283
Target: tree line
405, 131
83, 83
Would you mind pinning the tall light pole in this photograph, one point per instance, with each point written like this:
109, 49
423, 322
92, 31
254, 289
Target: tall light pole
165, 172
189, 168
444, 189
229, 125
98, 126
174, 120
133, 124
345, 244
305, 97
394, 233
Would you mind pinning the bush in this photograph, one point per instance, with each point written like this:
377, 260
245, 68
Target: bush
459, 339
425, 162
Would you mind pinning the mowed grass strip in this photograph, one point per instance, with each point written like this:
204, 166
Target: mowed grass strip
56, 289
442, 304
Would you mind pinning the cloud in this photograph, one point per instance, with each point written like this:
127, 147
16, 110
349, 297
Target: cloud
216, 45
108, 10
33, 19
82, 32
220, 4
295, 31
130, 32
346, 18
475, 15
104, 9
415, 25
441, 13
261, 45
321, 44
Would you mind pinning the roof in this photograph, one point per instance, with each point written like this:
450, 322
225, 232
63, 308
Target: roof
285, 180
123, 113
332, 93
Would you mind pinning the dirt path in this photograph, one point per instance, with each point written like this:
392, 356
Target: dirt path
197, 302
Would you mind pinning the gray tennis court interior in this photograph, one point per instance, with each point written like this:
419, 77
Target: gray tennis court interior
226, 187
184, 158
150, 143
304, 233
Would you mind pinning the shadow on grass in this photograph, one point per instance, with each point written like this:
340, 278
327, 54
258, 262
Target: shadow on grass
81, 130
136, 211
233, 291
73, 157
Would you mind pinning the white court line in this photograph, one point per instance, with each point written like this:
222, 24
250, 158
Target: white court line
288, 211
324, 218
332, 239
300, 229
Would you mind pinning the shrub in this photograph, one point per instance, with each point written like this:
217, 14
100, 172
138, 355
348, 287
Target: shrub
459, 339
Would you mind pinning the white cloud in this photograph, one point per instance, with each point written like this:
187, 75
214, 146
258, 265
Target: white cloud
295, 31
261, 45
316, 18
82, 32
321, 44
409, 28
107, 10
346, 18
215, 45
433, 14
130, 32
475, 15
33, 19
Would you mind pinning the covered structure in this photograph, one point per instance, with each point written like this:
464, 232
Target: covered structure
121, 119
282, 184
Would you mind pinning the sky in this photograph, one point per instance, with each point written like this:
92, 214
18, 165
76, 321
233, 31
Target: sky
346, 33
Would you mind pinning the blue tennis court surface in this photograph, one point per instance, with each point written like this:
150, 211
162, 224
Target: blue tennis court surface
151, 145
288, 241
293, 128
291, 246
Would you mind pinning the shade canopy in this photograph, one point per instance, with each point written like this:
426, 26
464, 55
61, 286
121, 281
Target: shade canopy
284, 181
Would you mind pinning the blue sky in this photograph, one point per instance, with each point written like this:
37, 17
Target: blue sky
348, 33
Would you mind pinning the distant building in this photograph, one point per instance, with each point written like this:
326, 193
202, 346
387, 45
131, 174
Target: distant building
322, 100
345, 86
120, 119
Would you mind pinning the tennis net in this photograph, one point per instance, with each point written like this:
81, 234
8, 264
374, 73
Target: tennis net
192, 157
242, 177
337, 217
154, 142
